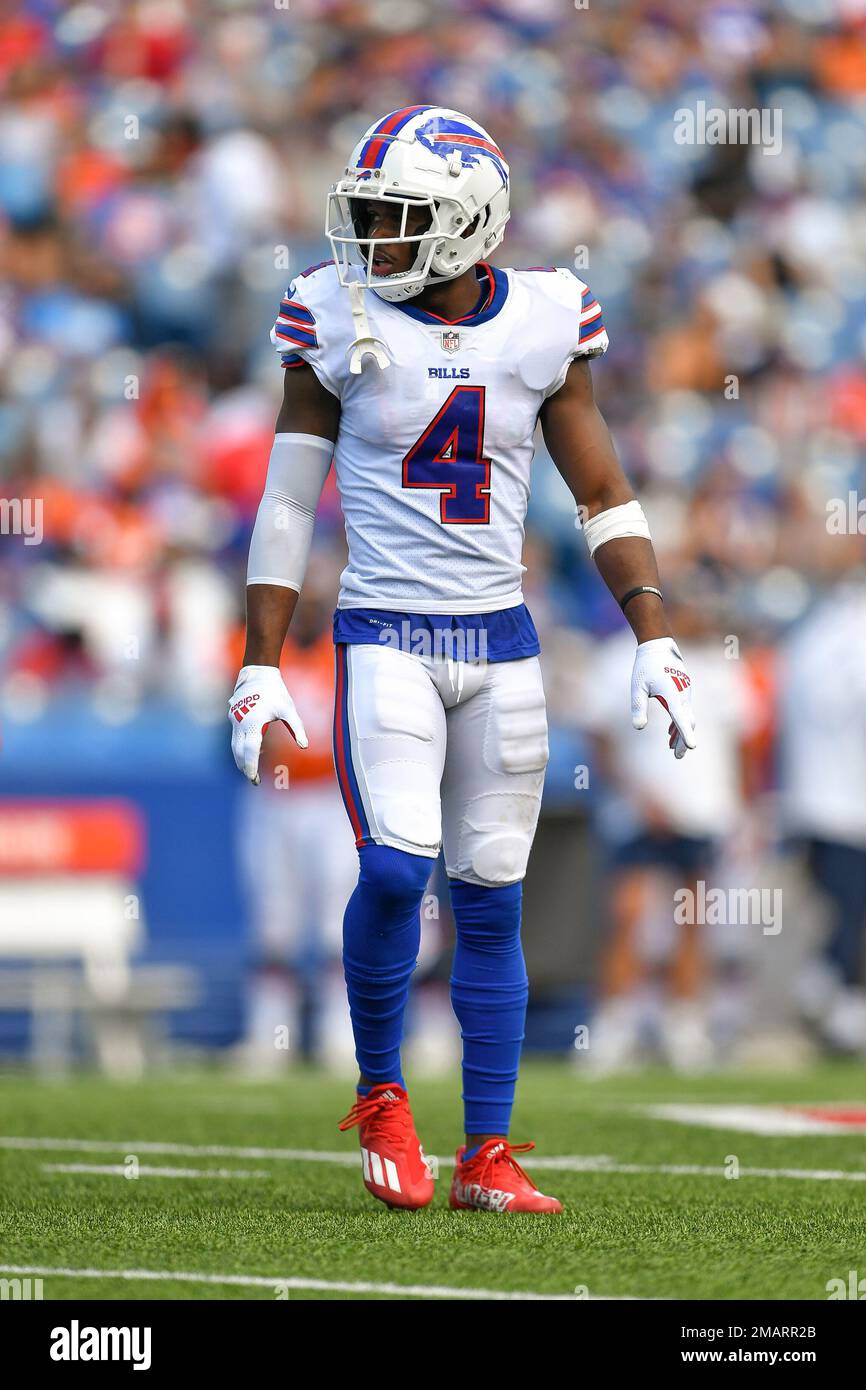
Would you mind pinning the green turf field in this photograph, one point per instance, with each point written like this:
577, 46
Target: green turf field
650, 1234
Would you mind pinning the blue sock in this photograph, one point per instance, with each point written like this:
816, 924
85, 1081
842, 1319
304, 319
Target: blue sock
489, 990
381, 935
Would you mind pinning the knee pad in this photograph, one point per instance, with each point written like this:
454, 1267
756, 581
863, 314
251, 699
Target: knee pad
397, 878
501, 859
496, 836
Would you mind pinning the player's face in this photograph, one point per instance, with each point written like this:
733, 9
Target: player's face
383, 221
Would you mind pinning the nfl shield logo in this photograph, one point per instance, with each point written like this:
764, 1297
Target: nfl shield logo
450, 341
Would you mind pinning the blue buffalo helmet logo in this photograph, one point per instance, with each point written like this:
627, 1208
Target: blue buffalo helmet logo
443, 137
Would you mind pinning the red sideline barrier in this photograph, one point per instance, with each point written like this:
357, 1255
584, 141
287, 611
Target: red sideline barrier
63, 837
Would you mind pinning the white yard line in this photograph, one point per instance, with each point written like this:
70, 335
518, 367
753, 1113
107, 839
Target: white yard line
773, 1120
566, 1163
148, 1146
708, 1171
145, 1170
277, 1282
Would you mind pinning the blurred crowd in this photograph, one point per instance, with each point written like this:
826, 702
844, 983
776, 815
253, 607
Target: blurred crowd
163, 166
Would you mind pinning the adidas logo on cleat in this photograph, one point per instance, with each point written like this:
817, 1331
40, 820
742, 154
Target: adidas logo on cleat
374, 1172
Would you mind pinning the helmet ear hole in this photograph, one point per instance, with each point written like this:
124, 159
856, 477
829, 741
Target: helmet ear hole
473, 226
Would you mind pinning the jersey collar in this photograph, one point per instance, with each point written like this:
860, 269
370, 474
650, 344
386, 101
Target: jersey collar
493, 292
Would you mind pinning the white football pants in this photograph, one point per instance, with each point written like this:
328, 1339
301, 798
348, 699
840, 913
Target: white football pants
434, 753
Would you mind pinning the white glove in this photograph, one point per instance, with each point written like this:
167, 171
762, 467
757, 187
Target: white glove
260, 697
659, 673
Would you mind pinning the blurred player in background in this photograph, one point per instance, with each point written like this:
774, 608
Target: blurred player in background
665, 828
299, 864
824, 797
424, 371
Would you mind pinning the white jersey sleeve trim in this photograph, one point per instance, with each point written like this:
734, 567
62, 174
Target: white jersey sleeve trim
583, 331
301, 330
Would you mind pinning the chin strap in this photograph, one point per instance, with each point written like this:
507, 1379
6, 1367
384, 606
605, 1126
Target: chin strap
365, 344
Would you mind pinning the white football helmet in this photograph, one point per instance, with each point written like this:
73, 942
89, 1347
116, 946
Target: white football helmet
428, 156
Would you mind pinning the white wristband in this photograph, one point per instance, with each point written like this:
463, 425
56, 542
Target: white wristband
280, 544
627, 520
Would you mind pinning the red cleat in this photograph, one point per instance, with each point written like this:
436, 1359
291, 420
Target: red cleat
395, 1169
493, 1180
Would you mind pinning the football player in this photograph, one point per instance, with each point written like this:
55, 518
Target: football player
422, 371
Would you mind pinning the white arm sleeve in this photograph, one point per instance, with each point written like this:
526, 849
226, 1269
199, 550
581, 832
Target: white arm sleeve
280, 544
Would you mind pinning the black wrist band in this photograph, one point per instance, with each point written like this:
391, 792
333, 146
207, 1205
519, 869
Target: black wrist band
641, 589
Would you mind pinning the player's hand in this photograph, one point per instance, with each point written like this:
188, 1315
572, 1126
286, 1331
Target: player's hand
259, 698
659, 673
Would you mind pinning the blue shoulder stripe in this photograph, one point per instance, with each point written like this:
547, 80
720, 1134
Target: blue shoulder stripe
290, 334
293, 309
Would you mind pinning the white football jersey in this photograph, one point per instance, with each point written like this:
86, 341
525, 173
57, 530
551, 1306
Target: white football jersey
434, 452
